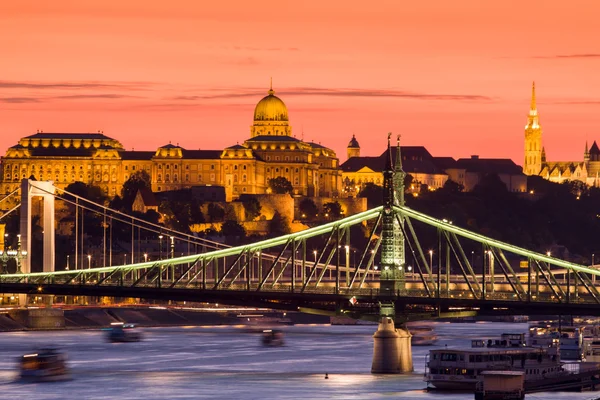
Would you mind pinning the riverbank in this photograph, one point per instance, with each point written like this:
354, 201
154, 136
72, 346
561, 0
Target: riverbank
150, 316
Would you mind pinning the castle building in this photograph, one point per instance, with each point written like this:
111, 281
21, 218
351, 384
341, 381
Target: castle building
96, 159
586, 170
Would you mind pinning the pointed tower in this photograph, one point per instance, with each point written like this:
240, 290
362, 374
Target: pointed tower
391, 278
533, 139
586, 155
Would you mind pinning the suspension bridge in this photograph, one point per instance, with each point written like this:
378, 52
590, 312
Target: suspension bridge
393, 263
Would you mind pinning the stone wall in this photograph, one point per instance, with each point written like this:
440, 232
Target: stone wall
350, 206
41, 318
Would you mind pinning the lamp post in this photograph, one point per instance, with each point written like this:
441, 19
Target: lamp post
89, 261
67, 266
172, 246
409, 269
145, 257
431, 260
472, 258
593, 276
347, 264
160, 237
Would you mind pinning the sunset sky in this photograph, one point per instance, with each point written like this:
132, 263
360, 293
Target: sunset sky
454, 76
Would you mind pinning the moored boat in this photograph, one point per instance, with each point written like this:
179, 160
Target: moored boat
461, 369
272, 337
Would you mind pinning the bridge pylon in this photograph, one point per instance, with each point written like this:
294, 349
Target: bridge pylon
392, 351
46, 191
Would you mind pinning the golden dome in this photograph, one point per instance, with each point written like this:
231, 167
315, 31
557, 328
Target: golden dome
271, 108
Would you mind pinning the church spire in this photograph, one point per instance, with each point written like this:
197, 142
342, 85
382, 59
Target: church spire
271, 91
533, 105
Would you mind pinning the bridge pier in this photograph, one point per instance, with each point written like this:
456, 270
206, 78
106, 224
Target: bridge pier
392, 352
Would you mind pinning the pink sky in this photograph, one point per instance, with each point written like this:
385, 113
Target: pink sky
454, 76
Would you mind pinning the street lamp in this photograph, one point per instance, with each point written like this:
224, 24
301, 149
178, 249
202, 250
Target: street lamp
431, 260
409, 269
315, 254
472, 258
89, 261
160, 247
67, 266
172, 246
145, 257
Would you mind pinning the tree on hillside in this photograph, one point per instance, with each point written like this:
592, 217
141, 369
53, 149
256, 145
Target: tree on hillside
215, 212
233, 231
332, 210
373, 193
281, 185
251, 206
308, 209
279, 225
136, 181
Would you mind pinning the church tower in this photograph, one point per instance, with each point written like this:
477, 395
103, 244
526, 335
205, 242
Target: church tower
533, 140
353, 149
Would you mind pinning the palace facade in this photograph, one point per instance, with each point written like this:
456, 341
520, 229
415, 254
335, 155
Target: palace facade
96, 159
586, 170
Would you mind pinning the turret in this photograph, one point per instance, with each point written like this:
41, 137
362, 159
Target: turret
353, 149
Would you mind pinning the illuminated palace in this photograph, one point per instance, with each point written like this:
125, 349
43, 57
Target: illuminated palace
586, 170
93, 158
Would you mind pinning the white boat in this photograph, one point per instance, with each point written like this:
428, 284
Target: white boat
460, 369
45, 365
570, 340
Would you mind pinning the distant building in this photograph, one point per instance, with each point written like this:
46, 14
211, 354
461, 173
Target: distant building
586, 170
357, 171
93, 158
470, 171
144, 201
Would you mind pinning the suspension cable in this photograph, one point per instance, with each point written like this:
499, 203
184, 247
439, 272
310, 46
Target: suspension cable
11, 210
10, 194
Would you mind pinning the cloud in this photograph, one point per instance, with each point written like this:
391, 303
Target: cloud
73, 85
342, 92
558, 56
95, 96
248, 48
19, 100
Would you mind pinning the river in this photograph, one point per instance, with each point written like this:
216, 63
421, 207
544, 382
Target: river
229, 363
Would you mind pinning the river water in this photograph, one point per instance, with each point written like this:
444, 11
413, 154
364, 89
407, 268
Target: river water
229, 363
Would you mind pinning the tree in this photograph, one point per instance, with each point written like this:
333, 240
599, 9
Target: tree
251, 206
233, 231
332, 210
215, 212
453, 187
279, 225
373, 193
308, 209
89, 192
138, 180
281, 185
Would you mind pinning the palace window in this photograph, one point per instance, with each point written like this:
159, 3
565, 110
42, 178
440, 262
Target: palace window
167, 177
174, 177
175, 166
287, 158
287, 170
297, 159
187, 167
244, 190
159, 178
212, 166
268, 158
244, 167
187, 177
212, 177
244, 178
276, 158
126, 168
235, 167
296, 170
133, 168
159, 166
168, 166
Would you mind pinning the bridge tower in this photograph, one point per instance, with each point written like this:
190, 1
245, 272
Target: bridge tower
46, 191
392, 279
392, 353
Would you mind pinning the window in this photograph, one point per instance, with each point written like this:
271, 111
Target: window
187, 177
133, 167
244, 190
235, 167
168, 166
175, 166
244, 168
268, 158
212, 166
212, 177
159, 177
297, 159
244, 178
287, 158
159, 166
187, 167
296, 171
126, 168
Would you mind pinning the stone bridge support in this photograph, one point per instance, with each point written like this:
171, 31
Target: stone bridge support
392, 351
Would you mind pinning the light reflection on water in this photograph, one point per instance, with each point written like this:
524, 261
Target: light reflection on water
229, 363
